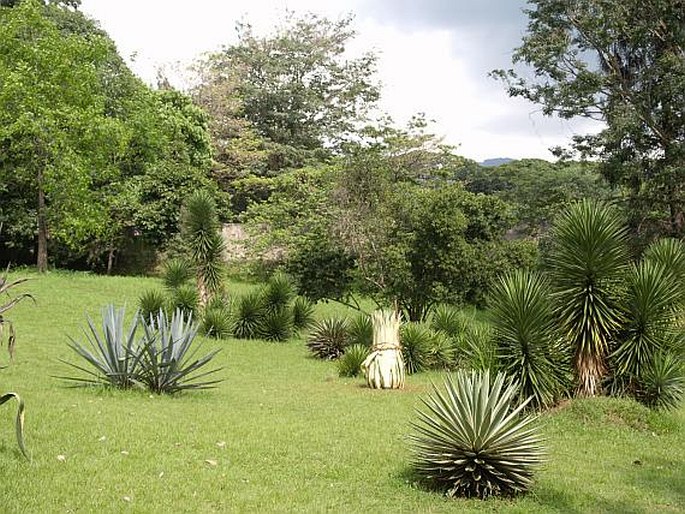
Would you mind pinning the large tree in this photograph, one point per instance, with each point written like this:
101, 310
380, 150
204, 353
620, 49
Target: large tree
622, 62
283, 100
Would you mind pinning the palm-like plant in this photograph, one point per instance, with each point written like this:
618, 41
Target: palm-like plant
416, 339
276, 325
361, 330
278, 293
350, 364
471, 439
168, 358
528, 348
303, 313
587, 256
200, 228
449, 320
111, 352
476, 347
249, 310
662, 381
150, 301
329, 338
651, 305
176, 272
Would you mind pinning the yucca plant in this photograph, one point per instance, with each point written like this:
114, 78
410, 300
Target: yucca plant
176, 272
528, 345
472, 440
217, 322
361, 330
651, 307
111, 352
476, 347
416, 338
150, 302
350, 364
278, 293
442, 352
201, 230
588, 255
168, 361
328, 338
449, 320
661, 384
186, 298
249, 311
303, 313
276, 325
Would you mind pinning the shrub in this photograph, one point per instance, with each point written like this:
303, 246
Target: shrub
416, 338
217, 322
111, 352
361, 330
276, 325
303, 313
448, 319
441, 351
527, 342
249, 310
176, 272
329, 338
278, 293
476, 348
185, 298
662, 382
471, 440
167, 356
350, 363
150, 302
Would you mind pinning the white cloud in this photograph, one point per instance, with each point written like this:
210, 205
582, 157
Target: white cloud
428, 69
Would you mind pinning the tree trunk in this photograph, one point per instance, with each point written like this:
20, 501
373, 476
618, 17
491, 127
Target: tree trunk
42, 258
589, 373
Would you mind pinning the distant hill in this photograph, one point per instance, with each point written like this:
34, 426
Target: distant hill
495, 162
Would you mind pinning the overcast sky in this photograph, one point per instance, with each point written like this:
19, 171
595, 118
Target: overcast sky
434, 58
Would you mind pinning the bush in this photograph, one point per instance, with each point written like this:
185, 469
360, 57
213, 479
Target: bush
448, 319
361, 330
303, 313
662, 383
350, 364
476, 348
150, 302
471, 440
278, 293
329, 338
441, 351
249, 310
185, 298
176, 272
416, 339
217, 322
276, 325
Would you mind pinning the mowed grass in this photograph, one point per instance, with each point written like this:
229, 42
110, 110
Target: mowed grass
281, 433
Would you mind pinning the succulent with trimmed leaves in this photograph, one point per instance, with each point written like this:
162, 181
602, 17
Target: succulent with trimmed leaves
329, 338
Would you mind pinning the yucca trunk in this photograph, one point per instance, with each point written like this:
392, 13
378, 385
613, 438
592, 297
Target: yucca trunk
384, 368
589, 370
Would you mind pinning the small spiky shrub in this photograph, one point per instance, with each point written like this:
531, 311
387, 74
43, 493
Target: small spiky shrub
111, 352
249, 310
662, 382
303, 313
350, 364
361, 330
185, 298
176, 272
150, 302
441, 351
276, 325
416, 339
328, 338
527, 343
217, 322
476, 348
278, 293
448, 319
470, 438
167, 356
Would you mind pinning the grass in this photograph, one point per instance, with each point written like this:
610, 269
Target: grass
281, 433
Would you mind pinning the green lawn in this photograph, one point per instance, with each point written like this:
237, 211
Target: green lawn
281, 433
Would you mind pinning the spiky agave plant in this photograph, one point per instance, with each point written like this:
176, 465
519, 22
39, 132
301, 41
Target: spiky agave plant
471, 439
588, 255
248, 314
329, 337
350, 364
278, 293
303, 313
416, 340
528, 346
662, 382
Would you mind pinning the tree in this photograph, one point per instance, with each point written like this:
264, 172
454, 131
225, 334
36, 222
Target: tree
294, 89
53, 128
622, 62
